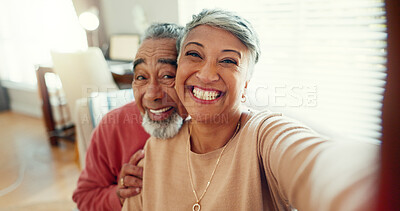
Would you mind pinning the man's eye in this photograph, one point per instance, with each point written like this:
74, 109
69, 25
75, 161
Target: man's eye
168, 76
140, 77
191, 53
229, 61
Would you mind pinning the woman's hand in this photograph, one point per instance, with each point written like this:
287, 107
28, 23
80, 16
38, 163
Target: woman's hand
130, 177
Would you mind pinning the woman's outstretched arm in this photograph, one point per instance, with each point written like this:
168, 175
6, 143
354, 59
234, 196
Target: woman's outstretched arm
311, 172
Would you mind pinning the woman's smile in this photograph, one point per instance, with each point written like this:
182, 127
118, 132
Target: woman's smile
204, 95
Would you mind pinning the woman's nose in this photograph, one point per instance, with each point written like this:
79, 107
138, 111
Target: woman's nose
208, 73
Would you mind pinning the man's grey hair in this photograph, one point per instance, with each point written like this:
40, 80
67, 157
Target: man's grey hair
162, 30
231, 22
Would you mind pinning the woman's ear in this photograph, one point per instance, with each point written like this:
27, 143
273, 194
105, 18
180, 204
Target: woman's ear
245, 88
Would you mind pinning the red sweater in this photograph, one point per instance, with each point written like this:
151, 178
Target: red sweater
117, 137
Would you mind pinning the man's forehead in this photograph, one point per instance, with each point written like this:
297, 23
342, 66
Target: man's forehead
164, 47
161, 51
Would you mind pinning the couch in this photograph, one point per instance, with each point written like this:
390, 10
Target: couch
89, 112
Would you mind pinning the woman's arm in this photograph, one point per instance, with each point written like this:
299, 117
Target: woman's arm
311, 172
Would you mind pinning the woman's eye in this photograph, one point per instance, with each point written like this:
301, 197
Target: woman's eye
229, 61
194, 54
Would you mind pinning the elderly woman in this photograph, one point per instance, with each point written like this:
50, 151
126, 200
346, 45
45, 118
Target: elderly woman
227, 159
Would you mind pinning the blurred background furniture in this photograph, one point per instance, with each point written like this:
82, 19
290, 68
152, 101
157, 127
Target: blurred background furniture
56, 115
121, 53
91, 110
123, 81
4, 99
82, 73
78, 75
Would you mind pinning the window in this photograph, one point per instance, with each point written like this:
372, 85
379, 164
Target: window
322, 61
29, 30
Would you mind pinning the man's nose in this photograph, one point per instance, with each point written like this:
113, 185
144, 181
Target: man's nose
153, 91
208, 73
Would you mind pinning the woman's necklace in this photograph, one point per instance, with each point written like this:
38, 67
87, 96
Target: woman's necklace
196, 206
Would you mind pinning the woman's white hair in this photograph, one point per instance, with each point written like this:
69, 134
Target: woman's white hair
231, 22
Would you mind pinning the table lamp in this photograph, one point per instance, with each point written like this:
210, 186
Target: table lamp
89, 20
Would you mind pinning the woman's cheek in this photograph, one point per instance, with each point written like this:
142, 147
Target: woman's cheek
180, 78
186, 71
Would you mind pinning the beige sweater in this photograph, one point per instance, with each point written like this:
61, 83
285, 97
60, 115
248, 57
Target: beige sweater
273, 163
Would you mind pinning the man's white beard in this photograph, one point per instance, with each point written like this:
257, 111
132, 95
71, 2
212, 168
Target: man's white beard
163, 129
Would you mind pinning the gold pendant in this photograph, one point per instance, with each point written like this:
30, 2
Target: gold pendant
196, 207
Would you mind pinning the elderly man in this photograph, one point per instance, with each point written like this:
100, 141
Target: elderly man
111, 174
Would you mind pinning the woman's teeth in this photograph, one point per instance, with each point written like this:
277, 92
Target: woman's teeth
205, 95
160, 110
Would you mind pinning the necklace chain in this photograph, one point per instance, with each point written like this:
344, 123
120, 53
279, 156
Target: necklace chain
196, 206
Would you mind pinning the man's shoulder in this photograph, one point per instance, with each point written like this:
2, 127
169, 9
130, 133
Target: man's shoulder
121, 126
122, 123
127, 114
129, 108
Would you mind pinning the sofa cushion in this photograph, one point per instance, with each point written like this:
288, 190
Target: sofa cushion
101, 103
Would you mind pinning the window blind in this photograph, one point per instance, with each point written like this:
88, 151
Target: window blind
322, 61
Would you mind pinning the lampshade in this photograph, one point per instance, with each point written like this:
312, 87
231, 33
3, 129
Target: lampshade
89, 19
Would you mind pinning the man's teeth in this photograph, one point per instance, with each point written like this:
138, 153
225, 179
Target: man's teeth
160, 110
205, 95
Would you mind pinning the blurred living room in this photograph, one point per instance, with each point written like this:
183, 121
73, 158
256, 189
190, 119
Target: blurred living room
65, 63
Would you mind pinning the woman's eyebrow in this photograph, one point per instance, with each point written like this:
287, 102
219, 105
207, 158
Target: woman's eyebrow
234, 51
194, 43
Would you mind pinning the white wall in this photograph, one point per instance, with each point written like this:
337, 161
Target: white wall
24, 99
119, 15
